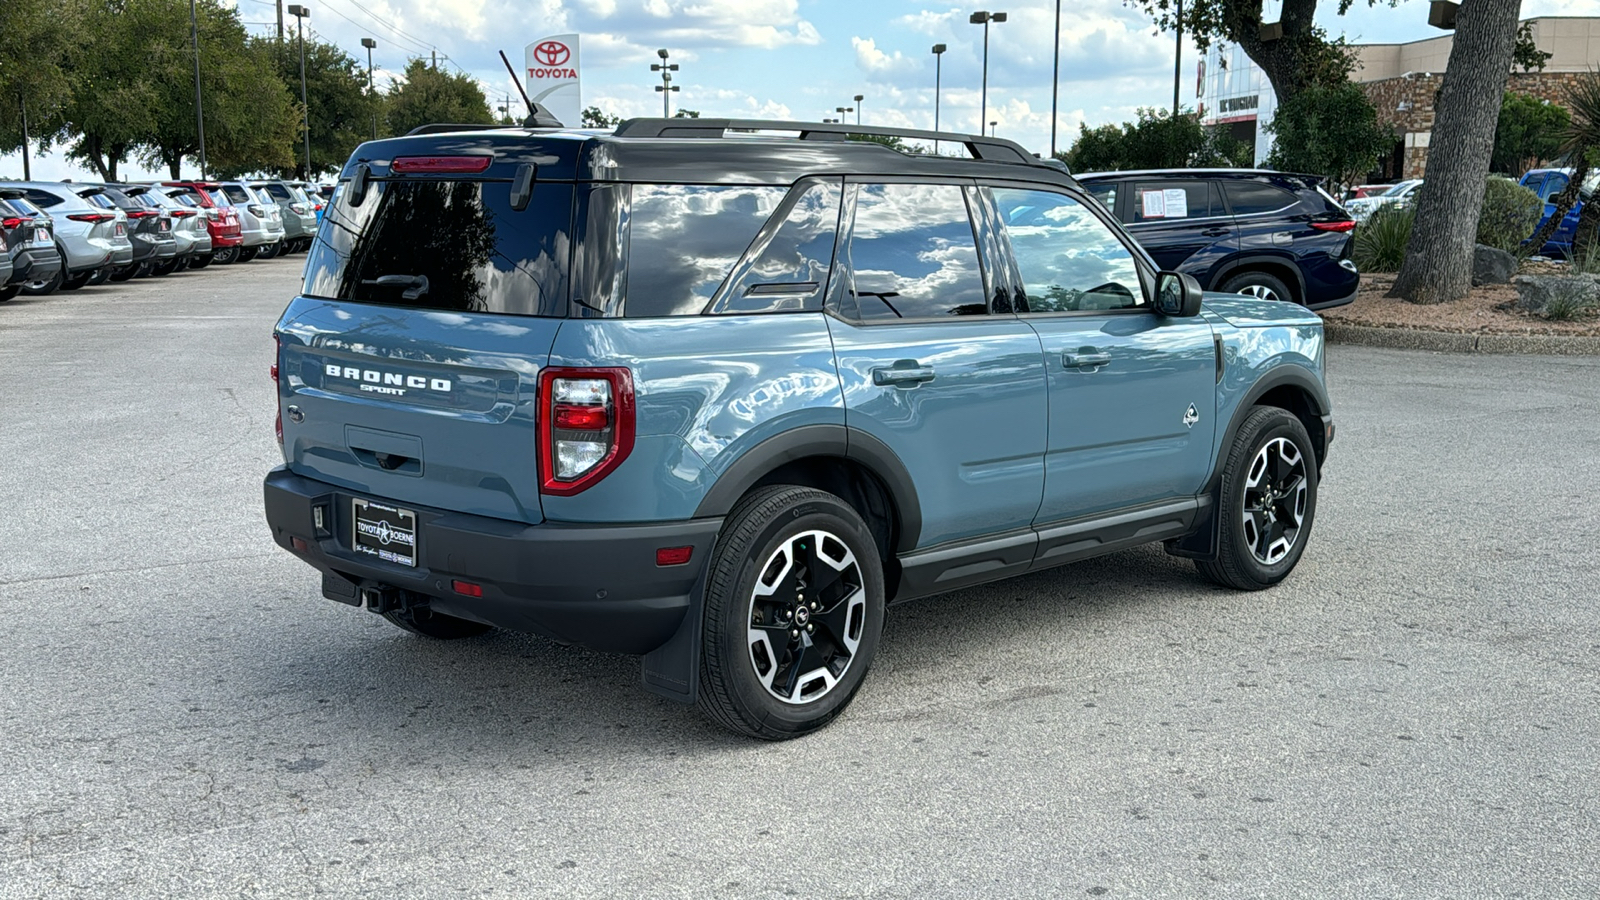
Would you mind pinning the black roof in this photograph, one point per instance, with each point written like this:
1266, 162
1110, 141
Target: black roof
1195, 173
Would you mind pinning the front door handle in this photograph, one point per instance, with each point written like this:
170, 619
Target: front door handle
904, 373
1085, 359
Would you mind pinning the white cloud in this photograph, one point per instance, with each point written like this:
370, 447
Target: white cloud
873, 61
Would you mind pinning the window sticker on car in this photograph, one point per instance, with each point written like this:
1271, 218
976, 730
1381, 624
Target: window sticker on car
1168, 203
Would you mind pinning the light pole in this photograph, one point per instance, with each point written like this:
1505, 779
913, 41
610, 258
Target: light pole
984, 17
369, 43
1055, 81
301, 14
858, 98
991, 128
938, 71
199, 111
1177, 60
842, 110
666, 87
27, 169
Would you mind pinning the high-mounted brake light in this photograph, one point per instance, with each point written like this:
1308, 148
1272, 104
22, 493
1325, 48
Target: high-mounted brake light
1346, 225
586, 426
423, 165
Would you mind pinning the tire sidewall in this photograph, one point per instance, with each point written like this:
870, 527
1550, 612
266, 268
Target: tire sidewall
1273, 282
760, 709
1281, 425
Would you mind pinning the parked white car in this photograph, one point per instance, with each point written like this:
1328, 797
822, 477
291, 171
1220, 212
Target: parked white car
1362, 207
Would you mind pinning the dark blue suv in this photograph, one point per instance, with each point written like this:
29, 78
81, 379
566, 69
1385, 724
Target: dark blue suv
1238, 231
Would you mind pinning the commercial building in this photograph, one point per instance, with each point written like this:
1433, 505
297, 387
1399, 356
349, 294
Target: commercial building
1402, 80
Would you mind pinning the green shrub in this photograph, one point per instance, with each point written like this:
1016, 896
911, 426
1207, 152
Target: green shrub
1380, 242
1571, 298
1510, 213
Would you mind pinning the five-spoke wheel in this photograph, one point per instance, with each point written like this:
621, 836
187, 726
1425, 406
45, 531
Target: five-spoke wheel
1266, 503
807, 612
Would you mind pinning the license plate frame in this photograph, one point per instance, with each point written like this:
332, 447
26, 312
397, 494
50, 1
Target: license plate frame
385, 532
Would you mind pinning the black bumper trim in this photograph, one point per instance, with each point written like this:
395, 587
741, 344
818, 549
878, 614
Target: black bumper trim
594, 585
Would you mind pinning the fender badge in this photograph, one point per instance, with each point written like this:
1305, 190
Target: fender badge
1191, 416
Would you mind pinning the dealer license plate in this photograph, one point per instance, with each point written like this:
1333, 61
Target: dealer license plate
387, 532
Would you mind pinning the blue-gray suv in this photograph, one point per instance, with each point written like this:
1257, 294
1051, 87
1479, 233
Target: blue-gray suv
717, 392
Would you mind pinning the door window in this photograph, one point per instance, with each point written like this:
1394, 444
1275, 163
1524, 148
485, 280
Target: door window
1554, 183
1166, 201
1068, 258
912, 254
1106, 193
1249, 198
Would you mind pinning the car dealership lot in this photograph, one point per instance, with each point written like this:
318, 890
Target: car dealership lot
1413, 714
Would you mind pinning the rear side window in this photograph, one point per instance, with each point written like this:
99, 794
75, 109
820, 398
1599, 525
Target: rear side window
912, 254
100, 200
1106, 193
1165, 201
218, 198
447, 245
684, 239
279, 191
236, 193
788, 269
1250, 198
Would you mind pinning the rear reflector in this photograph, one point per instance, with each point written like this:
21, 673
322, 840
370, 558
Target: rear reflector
1334, 226
299, 544
421, 165
581, 418
466, 588
673, 556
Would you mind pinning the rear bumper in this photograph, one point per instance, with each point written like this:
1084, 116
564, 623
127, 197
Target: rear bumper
36, 264
594, 585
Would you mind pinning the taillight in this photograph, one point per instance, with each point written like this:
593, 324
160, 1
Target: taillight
142, 213
12, 222
1346, 225
256, 210
277, 350
182, 213
586, 423
94, 218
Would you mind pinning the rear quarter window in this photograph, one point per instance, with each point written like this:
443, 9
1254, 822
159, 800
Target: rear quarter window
682, 241
1248, 198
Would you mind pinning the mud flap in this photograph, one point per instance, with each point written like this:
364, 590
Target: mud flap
1201, 543
673, 669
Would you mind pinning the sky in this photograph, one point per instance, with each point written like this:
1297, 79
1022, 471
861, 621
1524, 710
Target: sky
801, 59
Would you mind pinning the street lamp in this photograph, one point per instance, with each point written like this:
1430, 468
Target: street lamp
858, 98
938, 71
983, 17
1055, 82
199, 111
1177, 60
301, 14
991, 128
369, 43
666, 87
841, 110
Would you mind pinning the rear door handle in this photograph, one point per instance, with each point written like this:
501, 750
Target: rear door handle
1216, 232
904, 373
1085, 360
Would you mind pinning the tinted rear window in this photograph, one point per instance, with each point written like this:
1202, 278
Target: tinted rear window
1252, 197
236, 193
476, 253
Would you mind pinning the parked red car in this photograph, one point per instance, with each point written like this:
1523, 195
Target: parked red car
222, 220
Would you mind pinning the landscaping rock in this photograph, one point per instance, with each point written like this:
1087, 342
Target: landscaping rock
1492, 266
1535, 293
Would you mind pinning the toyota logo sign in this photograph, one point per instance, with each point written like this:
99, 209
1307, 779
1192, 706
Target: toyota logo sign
552, 53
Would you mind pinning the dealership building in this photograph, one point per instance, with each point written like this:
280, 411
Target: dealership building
1402, 81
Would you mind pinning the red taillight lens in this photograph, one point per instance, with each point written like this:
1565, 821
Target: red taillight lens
12, 222
142, 213
182, 213
467, 588
424, 165
95, 218
586, 426
1346, 225
673, 556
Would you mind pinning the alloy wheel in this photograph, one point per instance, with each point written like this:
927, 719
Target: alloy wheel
807, 612
1274, 500
1260, 292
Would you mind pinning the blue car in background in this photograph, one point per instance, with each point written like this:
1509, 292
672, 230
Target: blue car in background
1548, 184
1272, 235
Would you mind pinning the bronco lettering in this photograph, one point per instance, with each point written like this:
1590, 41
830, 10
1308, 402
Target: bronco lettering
391, 381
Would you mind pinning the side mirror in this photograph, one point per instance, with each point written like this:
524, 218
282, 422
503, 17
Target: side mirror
1177, 295
358, 185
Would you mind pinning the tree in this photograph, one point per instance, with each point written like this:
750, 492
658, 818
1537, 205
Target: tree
1155, 141
1528, 131
595, 117
251, 124
1330, 131
1526, 55
1438, 264
34, 38
336, 92
114, 90
427, 96
1581, 144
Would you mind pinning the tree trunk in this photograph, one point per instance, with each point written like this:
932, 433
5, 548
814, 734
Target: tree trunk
1564, 202
1438, 262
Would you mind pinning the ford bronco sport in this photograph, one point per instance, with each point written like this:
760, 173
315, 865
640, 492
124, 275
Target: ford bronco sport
718, 392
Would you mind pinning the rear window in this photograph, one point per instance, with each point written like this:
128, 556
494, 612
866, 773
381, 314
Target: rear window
1165, 201
277, 190
1250, 198
453, 245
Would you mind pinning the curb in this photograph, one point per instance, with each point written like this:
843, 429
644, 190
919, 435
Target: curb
1456, 342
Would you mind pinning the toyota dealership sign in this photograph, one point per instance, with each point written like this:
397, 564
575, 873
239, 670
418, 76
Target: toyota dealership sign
551, 77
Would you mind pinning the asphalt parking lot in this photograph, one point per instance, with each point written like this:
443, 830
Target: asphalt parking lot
1413, 714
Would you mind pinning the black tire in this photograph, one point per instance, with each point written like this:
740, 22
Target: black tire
100, 276
1259, 285
248, 253
73, 282
426, 622
225, 256
1248, 555
162, 269
789, 520
199, 261
270, 251
9, 291
44, 286
125, 273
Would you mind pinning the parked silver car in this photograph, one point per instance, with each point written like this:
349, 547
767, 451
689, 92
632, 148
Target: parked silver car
188, 225
259, 221
299, 213
92, 241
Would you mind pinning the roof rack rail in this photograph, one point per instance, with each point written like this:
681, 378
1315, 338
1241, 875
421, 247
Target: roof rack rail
980, 146
446, 127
